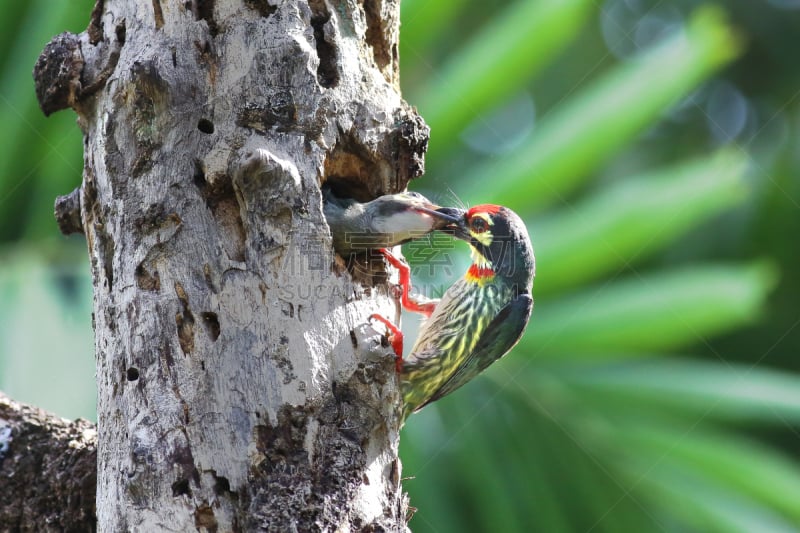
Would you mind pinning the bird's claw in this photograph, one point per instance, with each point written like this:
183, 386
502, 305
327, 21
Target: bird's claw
395, 338
402, 291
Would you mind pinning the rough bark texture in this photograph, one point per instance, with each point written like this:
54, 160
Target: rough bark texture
47, 470
240, 387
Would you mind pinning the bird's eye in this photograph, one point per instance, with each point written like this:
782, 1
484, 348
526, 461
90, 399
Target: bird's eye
478, 225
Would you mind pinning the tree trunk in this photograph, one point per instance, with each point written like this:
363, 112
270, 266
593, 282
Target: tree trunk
240, 386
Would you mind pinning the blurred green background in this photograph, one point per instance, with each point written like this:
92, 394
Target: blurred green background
651, 147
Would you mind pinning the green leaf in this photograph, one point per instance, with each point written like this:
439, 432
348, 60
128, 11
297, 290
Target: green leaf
481, 457
714, 390
632, 218
650, 311
426, 448
751, 470
583, 132
509, 50
683, 492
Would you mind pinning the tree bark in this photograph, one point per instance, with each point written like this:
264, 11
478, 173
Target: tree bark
240, 387
48, 470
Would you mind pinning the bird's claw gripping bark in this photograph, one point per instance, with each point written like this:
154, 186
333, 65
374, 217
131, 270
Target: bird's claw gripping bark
395, 338
406, 300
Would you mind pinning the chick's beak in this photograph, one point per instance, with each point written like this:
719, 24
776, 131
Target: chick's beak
455, 220
441, 219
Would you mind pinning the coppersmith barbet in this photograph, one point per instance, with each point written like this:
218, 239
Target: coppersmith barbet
479, 318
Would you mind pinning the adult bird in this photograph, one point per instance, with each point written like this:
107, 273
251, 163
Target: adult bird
480, 317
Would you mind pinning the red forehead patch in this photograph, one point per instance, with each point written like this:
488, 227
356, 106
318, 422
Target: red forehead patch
490, 209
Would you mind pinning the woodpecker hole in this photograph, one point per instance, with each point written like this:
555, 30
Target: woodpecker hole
221, 485
199, 175
181, 487
211, 323
205, 125
132, 374
120, 31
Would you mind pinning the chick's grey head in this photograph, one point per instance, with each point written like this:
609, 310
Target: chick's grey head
384, 222
407, 213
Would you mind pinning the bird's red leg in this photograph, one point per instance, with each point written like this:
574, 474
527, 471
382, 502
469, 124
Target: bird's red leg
395, 337
406, 300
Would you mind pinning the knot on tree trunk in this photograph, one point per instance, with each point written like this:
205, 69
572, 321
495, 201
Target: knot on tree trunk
72, 67
68, 212
57, 74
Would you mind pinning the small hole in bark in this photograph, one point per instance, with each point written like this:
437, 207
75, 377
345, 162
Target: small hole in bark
211, 322
353, 338
181, 487
205, 125
199, 176
119, 31
132, 374
221, 485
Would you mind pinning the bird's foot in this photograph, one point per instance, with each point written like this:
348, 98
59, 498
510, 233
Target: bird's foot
408, 302
395, 338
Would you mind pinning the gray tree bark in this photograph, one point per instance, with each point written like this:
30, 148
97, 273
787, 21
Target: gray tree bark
240, 387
